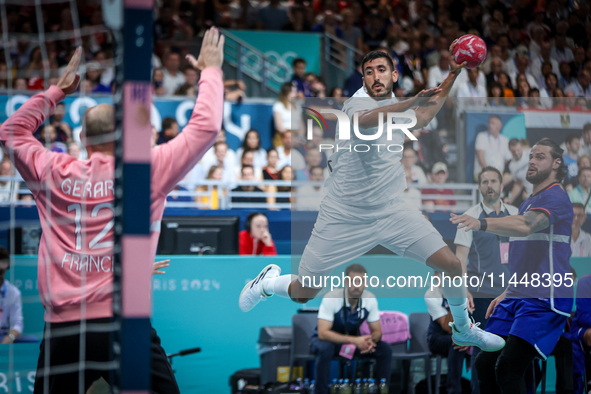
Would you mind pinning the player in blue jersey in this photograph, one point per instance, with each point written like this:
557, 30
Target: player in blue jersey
532, 312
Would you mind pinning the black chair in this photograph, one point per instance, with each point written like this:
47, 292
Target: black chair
417, 347
303, 325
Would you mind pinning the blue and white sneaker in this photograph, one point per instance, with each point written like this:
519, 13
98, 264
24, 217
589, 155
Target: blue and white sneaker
473, 335
253, 292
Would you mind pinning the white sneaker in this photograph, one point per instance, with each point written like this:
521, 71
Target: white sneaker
253, 292
473, 335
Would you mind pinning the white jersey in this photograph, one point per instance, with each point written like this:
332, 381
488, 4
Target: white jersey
365, 173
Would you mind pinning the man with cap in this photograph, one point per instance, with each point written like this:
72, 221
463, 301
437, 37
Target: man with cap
439, 175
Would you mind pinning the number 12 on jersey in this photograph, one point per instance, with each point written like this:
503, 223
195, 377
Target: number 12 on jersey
95, 243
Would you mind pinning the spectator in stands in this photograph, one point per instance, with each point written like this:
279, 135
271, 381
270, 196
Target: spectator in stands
534, 100
584, 161
93, 74
314, 144
430, 148
272, 17
248, 176
439, 175
173, 78
308, 197
282, 112
496, 94
313, 159
439, 338
585, 148
287, 155
297, 20
516, 171
571, 155
505, 82
354, 82
522, 67
213, 201
550, 84
352, 35
580, 194
256, 239
543, 58
158, 82
298, 79
252, 141
440, 71
576, 66
170, 129
496, 68
580, 241
270, 171
470, 92
565, 78
223, 160
192, 77
9, 188
560, 51
341, 313
186, 90
247, 159
492, 148
74, 150
11, 319
62, 129
286, 174
234, 90
582, 86
48, 137
413, 171
20, 84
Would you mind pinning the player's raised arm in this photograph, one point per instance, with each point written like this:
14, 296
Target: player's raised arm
16, 134
173, 160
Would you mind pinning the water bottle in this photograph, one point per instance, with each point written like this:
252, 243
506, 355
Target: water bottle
346, 387
306, 386
373, 387
340, 387
358, 389
334, 387
312, 388
365, 386
383, 387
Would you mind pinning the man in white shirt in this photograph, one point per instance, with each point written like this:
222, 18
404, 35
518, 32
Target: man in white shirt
582, 86
560, 52
471, 93
288, 156
492, 148
521, 66
580, 241
173, 78
439, 72
544, 57
518, 171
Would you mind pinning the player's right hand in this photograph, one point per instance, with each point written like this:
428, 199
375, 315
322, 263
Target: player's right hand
70, 78
212, 51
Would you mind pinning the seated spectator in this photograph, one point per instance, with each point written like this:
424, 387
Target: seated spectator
439, 338
308, 197
492, 148
272, 17
440, 71
62, 129
186, 90
571, 155
313, 159
48, 137
551, 84
8, 189
538, 63
515, 172
270, 172
496, 95
234, 90
256, 239
521, 67
74, 150
560, 51
192, 77
580, 193
247, 159
580, 241
11, 320
413, 171
287, 155
582, 86
20, 84
439, 176
248, 176
505, 82
341, 313
252, 141
282, 112
580, 335
286, 174
209, 158
314, 144
472, 90
215, 174
158, 82
170, 129
173, 77
299, 72
93, 74
565, 77
534, 101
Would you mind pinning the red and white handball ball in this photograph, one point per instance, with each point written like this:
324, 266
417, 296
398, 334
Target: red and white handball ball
471, 49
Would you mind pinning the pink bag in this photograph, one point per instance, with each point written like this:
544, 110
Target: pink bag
394, 327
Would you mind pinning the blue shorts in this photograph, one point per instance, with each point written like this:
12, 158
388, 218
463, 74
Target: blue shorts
529, 319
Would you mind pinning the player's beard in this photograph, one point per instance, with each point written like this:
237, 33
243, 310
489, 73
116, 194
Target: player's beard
387, 92
538, 177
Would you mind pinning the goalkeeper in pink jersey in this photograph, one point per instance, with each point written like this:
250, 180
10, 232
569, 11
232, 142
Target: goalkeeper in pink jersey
75, 202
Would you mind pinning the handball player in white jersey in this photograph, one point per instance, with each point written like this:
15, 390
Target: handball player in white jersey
363, 205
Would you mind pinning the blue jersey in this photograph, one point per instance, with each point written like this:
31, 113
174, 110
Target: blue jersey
545, 254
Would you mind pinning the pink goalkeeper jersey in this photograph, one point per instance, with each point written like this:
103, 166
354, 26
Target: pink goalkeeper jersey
75, 199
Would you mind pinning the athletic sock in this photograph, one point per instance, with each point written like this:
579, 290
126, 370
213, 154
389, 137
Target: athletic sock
279, 285
459, 311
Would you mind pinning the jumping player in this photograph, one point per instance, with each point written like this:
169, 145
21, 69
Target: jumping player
75, 203
533, 310
363, 206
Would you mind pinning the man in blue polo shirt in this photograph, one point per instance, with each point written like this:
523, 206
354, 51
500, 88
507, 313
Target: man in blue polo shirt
484, 253
339, 319
533, 310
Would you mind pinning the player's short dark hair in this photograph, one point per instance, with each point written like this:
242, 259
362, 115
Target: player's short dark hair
556, 153
355, 268
297, 61
490, 169
514, 141
586, 127
569, 138
167, 123
578, 205
376, 55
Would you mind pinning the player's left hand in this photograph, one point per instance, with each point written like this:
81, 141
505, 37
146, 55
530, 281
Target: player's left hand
70, 78
465, 221
453, 66
159, 265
